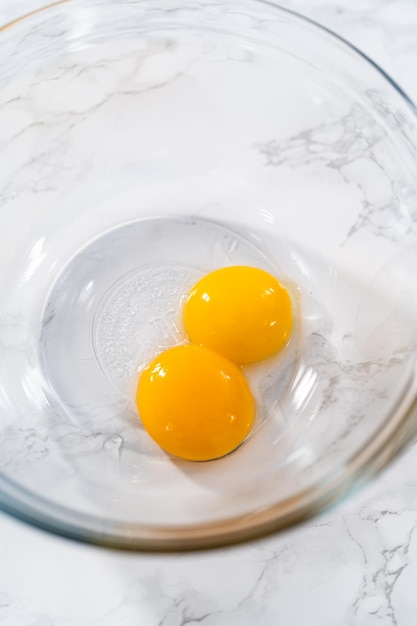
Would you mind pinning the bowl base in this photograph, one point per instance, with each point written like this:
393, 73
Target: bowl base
119, 303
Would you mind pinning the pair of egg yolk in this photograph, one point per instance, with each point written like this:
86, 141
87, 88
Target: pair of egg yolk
194, 399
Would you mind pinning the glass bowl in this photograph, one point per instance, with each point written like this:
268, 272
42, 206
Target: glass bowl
145, 143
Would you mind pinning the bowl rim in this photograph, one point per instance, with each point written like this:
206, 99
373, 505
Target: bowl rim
372, 457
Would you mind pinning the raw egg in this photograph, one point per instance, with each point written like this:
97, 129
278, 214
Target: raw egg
244, 313
195, 403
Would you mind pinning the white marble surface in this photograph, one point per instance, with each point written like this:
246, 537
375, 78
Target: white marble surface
355, 565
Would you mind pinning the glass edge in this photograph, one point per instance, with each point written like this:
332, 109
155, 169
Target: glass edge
401, 92
274, 5
25, 16
362, 466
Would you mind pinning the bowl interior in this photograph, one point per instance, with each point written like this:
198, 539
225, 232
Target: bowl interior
144, 144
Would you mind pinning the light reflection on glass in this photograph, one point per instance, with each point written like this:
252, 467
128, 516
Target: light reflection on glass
304, 386
35, 257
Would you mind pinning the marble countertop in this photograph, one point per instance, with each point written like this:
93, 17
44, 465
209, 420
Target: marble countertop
355, 565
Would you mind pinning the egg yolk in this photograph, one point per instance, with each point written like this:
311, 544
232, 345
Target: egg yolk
195, 403
241, 312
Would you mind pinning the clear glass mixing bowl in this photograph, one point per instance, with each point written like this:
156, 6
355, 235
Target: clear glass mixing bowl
144, 143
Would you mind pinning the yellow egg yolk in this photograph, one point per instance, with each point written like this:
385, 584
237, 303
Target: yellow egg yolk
241, 312
195, 403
